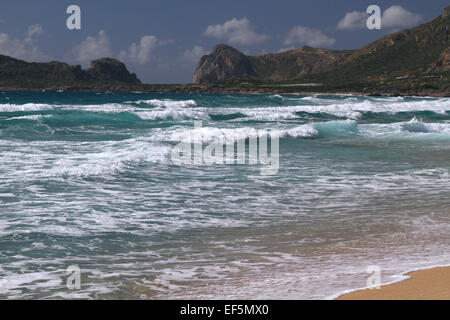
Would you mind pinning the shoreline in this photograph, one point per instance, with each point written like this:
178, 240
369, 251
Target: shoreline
431, 283
226, 92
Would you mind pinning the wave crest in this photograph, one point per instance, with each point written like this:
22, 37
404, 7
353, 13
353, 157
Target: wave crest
418, 126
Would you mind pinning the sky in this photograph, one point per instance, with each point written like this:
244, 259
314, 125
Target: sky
162, 40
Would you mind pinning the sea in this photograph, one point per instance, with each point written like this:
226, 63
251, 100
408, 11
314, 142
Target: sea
92, 205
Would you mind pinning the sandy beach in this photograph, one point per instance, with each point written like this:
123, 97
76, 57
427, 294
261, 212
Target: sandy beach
428, 284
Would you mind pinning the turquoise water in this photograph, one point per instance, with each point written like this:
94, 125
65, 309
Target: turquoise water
87, 180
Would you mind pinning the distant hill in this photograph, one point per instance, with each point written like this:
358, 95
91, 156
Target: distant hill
225, 62
104, 74
421, 49
413, 61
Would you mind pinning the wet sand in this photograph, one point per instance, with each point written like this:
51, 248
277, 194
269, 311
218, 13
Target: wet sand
428, 284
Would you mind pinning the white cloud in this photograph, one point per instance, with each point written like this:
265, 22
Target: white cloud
353, 20
397, 16
286, 49
192, 56
25, 48
140, 53
98, 47
92, 48
393, 17
306, 36
34, 30
235, 31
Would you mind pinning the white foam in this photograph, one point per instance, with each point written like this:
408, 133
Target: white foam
24, 107
30, 117
167, 103
350, 108
214, 134
368, 106
12, 284
111, 160
268, 114
106, 108
417, 126
174, 114
101, 108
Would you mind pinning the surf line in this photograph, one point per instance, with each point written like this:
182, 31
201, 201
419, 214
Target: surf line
229, 148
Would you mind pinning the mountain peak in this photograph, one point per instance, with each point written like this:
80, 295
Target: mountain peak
113, 70
224, 62
221, 46
446, 12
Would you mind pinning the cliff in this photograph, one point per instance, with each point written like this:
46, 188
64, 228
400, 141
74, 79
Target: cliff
225, 62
